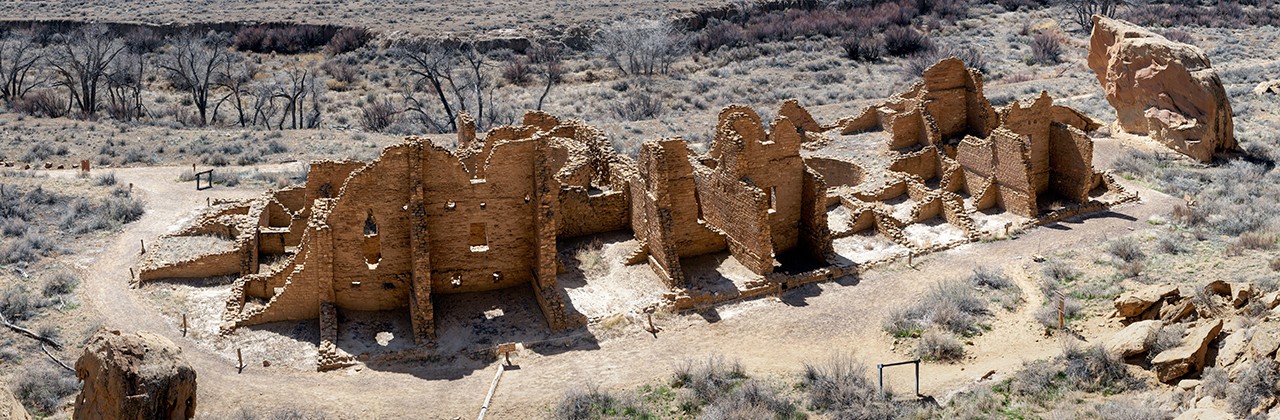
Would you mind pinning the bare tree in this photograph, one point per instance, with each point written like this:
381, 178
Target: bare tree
124, 86
640, 46
298, 86
433, 62
1083, 10
477, 78
192, 62
235, 77
80, 60
264, 101
547, 57
19, 53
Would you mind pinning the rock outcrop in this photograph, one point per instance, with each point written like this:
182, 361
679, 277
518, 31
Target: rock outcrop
10, 408
1189, 356
134, 376
1161, 88
1134, 303
1134, 339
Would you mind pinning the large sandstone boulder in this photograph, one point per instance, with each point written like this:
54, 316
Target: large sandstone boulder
10, 407
1189, 356
1134, 303
1134, 339
1161, 88
134, 376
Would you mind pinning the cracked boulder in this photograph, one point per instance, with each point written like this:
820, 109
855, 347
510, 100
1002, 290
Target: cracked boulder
1161, 88
1189, 356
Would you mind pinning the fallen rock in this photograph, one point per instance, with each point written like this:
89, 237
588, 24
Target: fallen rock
1241, 293
1161, 88
1189, 356
1265, 341
1218, 287
10, 407
1205, 413
134, 376
1270, 87
1134, 339
1135, 303
1178, 311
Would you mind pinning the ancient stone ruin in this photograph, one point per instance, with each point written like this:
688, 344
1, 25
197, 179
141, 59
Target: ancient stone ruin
1161, 88
932, 168
134, 376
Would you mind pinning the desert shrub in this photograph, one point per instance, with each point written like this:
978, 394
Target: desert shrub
377, 115
1093, 369
937, 345
863, 48
84, 216
1129, 410
718, 33
1168, 337
105, 179
591, 403
1275, 264
41, 103
590, 258
20, 304
1059, 271
342, 70
1172, 243
1035, 379
1131, 269
29, 247
841, 387
142, 41
1127, 249
517, 70
280, 38
904, 40
1256, 240
708, 380
348, 40
751, 400
1046, 48
1214, 381
638, 105
60, 283
950, 305
1016, 5
42, 388
1256, 383
919, 62
12, 226
1176, 35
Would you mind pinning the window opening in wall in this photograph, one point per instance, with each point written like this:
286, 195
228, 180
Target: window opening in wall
456, 281
479, 238
773, 199
372, 243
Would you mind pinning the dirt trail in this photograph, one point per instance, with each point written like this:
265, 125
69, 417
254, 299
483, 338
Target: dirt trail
770, 337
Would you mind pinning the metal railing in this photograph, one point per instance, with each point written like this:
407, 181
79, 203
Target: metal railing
880, 367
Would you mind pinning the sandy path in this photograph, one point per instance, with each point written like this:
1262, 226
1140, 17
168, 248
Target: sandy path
770, 337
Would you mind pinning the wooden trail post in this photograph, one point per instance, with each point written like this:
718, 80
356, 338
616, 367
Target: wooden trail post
184, 325
144, 246
239, 362
1062, 310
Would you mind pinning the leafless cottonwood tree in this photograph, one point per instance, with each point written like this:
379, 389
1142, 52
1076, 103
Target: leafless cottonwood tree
192, 62
298, 86
547, 56
81, 60
235, 77
264, 101
19, 53
1083, 10
433, 63
124, 79
640, 46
